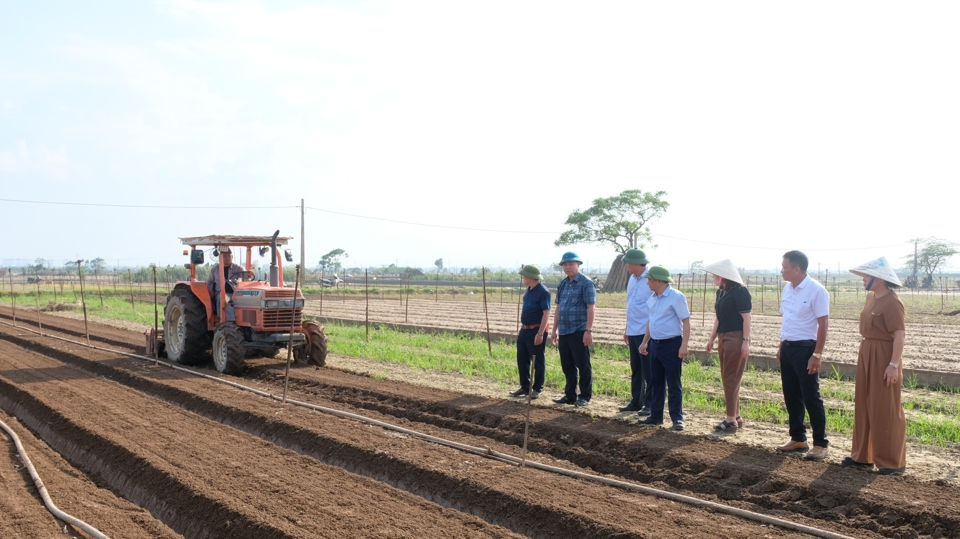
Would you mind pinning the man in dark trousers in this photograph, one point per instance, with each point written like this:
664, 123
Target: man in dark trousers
638, 292
534, 324
806, 311
573, 330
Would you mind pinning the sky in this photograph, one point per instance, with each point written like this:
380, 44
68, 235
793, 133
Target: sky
469, 131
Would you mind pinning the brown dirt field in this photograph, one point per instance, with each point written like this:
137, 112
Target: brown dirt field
928, 346
209, 461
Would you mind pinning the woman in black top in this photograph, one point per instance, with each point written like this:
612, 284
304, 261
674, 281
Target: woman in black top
732, 326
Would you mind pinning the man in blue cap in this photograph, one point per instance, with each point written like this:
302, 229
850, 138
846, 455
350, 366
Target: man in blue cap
573, 330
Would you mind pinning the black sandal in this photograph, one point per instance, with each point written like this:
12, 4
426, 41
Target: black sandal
739, 422
726, 426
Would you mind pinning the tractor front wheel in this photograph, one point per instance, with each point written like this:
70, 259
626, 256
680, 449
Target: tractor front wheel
315, 349
229, 349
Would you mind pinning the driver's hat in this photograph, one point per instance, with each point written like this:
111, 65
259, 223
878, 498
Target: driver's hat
225, 249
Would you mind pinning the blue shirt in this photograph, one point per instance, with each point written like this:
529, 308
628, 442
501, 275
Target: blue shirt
638, 292
535, 301
572, 300
667, 313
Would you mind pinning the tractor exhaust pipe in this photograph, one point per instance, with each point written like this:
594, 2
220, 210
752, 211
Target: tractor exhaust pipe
274, 272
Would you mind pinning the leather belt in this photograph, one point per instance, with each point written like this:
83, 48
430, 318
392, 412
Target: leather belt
660, 341
530, 326
799, 343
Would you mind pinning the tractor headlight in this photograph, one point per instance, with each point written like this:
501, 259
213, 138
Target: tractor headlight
271, 304
300, 303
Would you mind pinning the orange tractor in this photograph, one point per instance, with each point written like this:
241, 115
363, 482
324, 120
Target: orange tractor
250, 317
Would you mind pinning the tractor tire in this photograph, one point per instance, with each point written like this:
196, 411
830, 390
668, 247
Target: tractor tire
315, 350
229, 349
185, 336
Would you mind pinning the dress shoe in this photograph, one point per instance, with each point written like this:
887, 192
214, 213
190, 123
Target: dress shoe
818, 453
678, 425
649, 421
793, 446
563, 400
519, 393
535, 394
645, 411
630, 408
848, 462
581, 402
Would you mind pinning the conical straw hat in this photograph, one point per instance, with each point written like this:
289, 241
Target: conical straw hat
725, 269
878, 268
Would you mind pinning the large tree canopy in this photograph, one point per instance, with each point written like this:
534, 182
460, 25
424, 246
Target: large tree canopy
332, 259
932, 255
618, 220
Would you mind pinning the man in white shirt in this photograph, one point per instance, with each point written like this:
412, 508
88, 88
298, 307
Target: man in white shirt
638, 292
806, 310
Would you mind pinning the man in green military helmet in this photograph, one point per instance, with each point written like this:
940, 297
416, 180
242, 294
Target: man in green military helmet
534, 323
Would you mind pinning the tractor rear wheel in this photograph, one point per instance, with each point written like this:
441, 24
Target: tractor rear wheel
229, 349
185, 337
315, 349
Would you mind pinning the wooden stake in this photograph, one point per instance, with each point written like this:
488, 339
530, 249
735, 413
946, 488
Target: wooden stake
156, 320
38, 309
526, 425
130, 276
293, 325
13, 297
99, 292
321, 291
406, 313
486, 316
703, 318
83, 302
519, 295
366, 291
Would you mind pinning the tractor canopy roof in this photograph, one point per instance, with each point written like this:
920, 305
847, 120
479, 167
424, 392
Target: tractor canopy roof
234, 241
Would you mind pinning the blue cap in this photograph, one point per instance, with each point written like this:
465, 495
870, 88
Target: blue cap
570, 256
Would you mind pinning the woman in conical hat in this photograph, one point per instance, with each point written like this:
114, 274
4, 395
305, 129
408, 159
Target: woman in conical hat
879, 424
732, 326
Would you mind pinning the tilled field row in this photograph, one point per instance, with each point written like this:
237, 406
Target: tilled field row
205, 467
928, 347
528, 502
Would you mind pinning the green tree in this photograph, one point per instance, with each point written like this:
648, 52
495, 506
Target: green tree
439, 264
97, 264
331, 260
39, 265
697, 267
618, 220
932, 256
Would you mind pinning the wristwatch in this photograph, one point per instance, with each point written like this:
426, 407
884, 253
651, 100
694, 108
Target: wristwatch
817, 355
894, 365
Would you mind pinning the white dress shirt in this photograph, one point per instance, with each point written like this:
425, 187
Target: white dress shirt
801, 306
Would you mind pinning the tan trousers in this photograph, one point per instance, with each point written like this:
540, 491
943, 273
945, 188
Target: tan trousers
731, 369
879, 424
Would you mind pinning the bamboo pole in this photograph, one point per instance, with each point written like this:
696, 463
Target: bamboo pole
99, 292
83, 302
13, 297
130, 276
293, 325
156, 320
366, 292
486, 316
526, 424
39, 325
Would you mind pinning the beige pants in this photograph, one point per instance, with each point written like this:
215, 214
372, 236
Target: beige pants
731, 369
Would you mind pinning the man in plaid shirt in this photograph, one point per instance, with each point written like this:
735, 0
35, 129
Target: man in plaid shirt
572, 330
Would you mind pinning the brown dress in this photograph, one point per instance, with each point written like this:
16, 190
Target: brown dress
879, 424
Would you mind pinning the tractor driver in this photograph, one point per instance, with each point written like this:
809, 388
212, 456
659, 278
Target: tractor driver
233, 273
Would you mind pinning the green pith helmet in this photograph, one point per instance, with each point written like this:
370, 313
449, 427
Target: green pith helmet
531, 271
570, 256
634, 256
659, 273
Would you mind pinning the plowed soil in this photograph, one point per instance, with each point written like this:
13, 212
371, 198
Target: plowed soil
928, 346
140, 450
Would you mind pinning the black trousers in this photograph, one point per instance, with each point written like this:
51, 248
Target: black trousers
639, 374
801, 393
575, 360
526, 350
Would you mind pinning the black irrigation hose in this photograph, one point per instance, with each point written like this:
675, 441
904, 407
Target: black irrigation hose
485, 452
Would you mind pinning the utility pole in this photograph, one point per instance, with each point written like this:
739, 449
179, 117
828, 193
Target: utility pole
916, 243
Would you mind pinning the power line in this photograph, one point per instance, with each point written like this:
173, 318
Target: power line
145, 206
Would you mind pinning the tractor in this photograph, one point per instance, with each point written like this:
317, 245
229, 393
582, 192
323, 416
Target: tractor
251, 317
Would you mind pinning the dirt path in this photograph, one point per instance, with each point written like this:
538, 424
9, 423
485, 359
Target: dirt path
172, 427
929, 347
